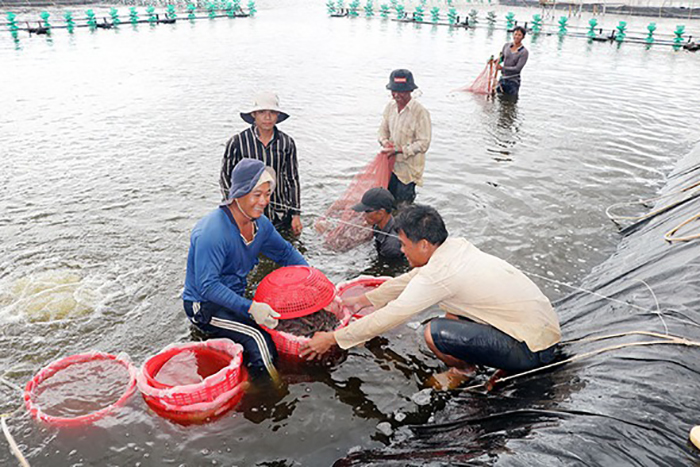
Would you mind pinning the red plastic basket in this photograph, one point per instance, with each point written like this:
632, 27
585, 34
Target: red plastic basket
362, 282
209, 398
295, 291
289, 345
63, 363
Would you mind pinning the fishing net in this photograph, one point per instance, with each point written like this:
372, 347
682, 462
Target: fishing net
485, 83
291, 334
341, 227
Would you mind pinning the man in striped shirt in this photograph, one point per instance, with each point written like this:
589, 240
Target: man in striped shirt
265, 142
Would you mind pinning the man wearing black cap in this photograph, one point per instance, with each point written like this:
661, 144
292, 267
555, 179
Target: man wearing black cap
405, 134
376, 205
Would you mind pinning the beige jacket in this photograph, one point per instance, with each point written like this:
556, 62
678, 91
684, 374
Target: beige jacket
467, 282
411, 131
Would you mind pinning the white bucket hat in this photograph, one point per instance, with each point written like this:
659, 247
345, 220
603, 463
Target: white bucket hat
265, 101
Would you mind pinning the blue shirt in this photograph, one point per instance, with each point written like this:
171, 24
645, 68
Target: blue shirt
219, 261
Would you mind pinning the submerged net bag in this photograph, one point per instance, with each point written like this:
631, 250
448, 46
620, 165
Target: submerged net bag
290, 335
485, 83
80, 389
194, 382
341, 227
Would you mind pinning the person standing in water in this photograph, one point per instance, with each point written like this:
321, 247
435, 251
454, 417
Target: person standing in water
405, 134
265, 142
514, 57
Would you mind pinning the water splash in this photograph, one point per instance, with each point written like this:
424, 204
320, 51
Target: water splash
49, 296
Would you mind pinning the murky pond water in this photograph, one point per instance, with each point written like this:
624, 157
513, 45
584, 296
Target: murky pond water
111, 142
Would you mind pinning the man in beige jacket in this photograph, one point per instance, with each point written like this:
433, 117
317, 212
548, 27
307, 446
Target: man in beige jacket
405, 134
495, 315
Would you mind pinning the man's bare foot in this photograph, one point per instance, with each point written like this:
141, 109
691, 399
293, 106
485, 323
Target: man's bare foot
450, 379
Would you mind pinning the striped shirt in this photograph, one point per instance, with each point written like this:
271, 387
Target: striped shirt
280, 154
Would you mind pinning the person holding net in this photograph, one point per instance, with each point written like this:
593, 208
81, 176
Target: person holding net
404, 135
513, 58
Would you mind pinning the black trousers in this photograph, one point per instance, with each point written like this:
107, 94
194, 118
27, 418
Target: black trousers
402, 192
259, 352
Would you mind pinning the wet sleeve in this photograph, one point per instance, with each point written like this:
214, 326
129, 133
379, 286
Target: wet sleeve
280, 250
420, 293
291, 179
209, 258
422, 135
229, 161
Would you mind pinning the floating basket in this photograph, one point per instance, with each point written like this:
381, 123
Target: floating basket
295, 291
359, 286
192, 403
85, 362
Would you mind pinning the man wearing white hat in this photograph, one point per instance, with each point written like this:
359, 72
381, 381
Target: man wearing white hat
265, 142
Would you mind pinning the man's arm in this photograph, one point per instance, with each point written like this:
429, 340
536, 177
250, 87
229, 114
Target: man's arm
209, 258
519, 64
280, 250
384, 137
291, 179
390, 290
420, 293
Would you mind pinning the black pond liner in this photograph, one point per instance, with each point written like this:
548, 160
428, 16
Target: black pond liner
630, 406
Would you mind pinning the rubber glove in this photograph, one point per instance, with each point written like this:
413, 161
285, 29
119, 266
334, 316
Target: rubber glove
264, 315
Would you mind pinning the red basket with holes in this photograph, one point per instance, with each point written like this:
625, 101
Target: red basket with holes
199, 401
358, 286
294, 292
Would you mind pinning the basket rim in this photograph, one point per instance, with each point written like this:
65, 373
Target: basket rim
144, 379
63, 363
172, 352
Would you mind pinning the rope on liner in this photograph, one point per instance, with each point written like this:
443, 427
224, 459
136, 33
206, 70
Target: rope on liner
613, 217
669, 237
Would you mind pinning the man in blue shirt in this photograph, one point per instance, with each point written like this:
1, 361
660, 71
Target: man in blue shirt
224, 248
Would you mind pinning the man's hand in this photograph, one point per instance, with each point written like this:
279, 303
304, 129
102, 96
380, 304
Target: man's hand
354, 304
264, 315
321, 343
389, 149
296, 225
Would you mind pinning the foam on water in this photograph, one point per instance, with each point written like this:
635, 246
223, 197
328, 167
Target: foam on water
49, 296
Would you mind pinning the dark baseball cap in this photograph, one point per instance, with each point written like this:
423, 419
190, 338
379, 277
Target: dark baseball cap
375, 199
